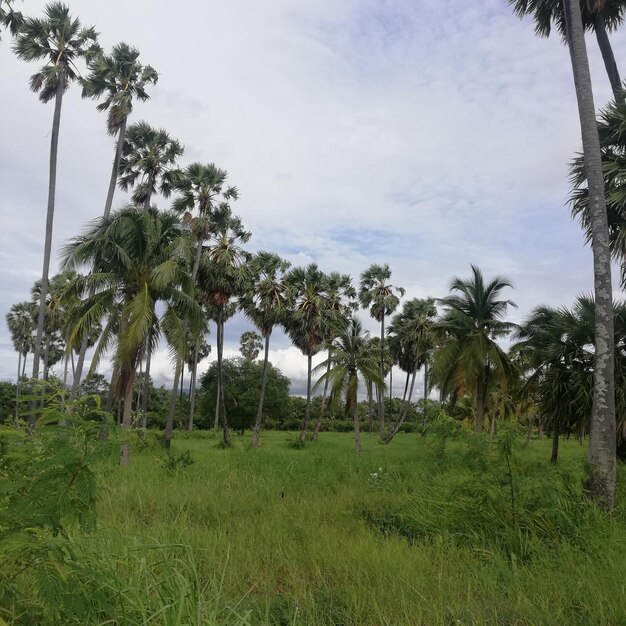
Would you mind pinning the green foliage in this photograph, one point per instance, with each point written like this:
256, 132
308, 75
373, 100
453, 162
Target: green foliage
180, 461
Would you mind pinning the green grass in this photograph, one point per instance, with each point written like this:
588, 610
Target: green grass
287, 536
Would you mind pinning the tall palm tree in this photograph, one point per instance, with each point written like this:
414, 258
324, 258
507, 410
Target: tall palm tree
137, 258
250, 345
471, 324
412, 332
222, 275
148, 163
601, 452
351, 358
379, 295
306, 321
264, 301
341, 304
599, 16
121, 79
10, 18
61, 41
21, 322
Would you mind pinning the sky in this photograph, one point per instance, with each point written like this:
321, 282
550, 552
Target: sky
428, 135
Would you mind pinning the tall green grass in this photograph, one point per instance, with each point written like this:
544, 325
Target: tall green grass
421, 531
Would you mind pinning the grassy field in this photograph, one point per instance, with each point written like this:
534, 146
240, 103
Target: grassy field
409, 533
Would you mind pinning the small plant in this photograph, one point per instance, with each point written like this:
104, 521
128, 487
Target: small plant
174, 462
376, 478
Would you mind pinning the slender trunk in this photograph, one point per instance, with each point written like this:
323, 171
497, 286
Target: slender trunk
601, 452
145, 391
608, 57
192, 386
140, 391
169, 425
115, 169
219, 381
425, 385
480, 402
318, 424
403, 413
492, 425
357, 427
73, 365
47, 249
391, 392
381, 396
24, 365
406, 387
220, 375
129, 379
111, 395
66, 366
370, 406
555, 446
307, 412
78, 372
46, 358
17, 390
256, 432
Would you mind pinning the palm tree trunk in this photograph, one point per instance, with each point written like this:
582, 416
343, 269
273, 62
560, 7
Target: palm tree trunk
307, 411
140, 391
381, 396
47, 249
318, 424
78, 372
24, 364
129, 380
480, 402
406, 387
555, 445
169, 425
220, 373
370, 406
192, 386
111, 395
145, 392
601, 452
492, 425
403, 412
357, 428
425, 385
115, 169
391, 392
256, 432
46, 358
17, 389
608, 57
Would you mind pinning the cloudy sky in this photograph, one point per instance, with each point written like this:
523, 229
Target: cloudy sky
428, 135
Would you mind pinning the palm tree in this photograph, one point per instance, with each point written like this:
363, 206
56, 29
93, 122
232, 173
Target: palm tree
600, 16
61, 41
250, 345
222, 275
148, 163
411, 334
470, 326
601, 452
121, 78
21, 322
341, 304
377, 294
137, 258
351, 358
264, 301
306, 322
10, 18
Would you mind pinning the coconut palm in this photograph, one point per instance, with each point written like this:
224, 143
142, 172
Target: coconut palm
377, 294
264, 302
599, 16
148, 163
470, 326
412, 338
601, 451
351, 360
61, 41
137, 258
121, 79
222, 276
10, 19
305, 322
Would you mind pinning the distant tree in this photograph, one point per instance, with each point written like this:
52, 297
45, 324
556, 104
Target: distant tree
250, 345
61, 41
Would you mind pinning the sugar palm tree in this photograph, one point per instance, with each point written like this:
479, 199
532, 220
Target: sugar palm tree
599, 16
148, 163
351, 360
601, 452
306, 321
411, 331
10, 19
470, 326
137, 258
250, 345
222, 276
121, 79
381, 297
61, 41
264, 302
